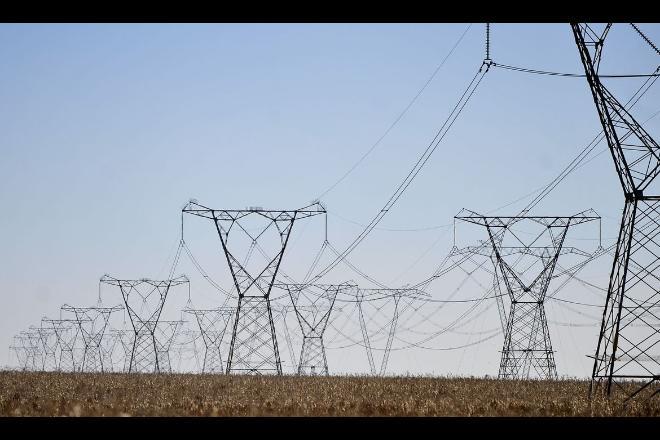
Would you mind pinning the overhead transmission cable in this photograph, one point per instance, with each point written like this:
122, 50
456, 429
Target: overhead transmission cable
398, 118
419, 164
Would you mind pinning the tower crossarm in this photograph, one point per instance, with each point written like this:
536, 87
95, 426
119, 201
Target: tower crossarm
635, 153
313, 316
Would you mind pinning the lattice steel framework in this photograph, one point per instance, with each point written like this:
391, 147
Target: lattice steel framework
67, 332
212, 325
144, 300
313, 304
527, 349
628, 350
280, 314
48, 341
253, 347
186, 343
34, 336
125, 340
19, 348
110, 344
28, 349
166, 333
385, 302
92, 323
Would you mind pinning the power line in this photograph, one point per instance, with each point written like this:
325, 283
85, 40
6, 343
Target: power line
571, 75
398, 118
421, 161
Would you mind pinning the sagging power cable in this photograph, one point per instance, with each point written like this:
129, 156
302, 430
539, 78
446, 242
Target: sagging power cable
419, 164
398, 118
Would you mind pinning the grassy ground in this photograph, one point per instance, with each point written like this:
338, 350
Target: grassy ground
66, 394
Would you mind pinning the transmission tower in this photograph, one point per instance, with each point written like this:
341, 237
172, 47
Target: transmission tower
280, 314
253, 347
67, 333
109, 346
144, 300
384, 303
19, 347
627, 353
527, 347
166, 333
313, 305
212, 325
49, 346
125, 340
92, 323
35, 345
184, 349
28, 351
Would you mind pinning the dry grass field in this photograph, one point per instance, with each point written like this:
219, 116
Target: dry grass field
67, 394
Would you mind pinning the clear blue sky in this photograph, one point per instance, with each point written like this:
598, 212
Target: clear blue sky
107, 130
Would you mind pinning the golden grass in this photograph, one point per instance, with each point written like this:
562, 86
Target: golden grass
88, 394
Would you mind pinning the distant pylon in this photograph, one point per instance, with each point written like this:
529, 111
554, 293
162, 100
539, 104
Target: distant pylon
110, 346
185, 350
385, 304
166, 333
35, 343
253, 347
212, 325
49, 345
313, 304
144, 300
20, 348
92, 323
67, 332
527, 349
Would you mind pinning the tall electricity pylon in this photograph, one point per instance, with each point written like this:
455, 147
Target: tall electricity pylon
144, 300
313, 304
527, 349
253, 347
628, 349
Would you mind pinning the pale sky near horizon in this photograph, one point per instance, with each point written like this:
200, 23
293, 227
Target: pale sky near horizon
107, 130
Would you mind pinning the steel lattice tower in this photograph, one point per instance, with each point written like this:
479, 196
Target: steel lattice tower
313, 309
111, 339
253, 347
67, 333
28, 344
165, 334
126, 341
527, 347
19, 347
385, 301
35, 338
49, 346
212, 325
92, 323
186, 343
628, 348
144, 300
